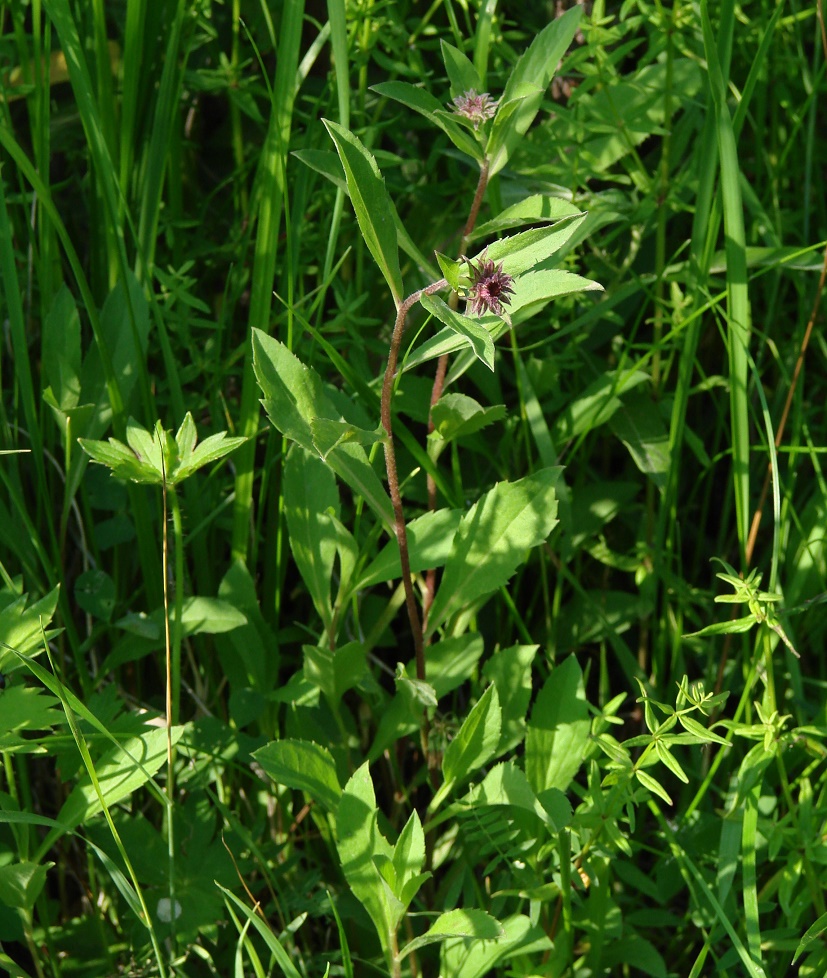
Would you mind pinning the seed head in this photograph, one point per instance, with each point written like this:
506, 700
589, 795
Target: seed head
490, 290
475, 107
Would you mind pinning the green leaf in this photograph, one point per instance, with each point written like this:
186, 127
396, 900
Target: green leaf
505, 784
733, 626
61, 346
473, 745
371, 203
360, 843
649, 782
281, 956
534, 209
304, 766
457, 415
120, 772
21, 627
328, 435
510, 670
408, 859
535, 69
429, 545
450, 663
639, 425
335, 671
21, 884
703, 735
471, 329
537, 287
95, 593
594, 407
293, 398
813, 931
462, 74
434, 111
461, 960
521, 252
558, 730
492, 541
310, 497
670, 760
468, 924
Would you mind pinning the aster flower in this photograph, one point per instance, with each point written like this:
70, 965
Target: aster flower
476, 108
489, 291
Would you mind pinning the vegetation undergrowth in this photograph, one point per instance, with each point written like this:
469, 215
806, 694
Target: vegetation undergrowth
393, 400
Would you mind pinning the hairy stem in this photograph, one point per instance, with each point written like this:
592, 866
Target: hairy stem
393, 475
442, 370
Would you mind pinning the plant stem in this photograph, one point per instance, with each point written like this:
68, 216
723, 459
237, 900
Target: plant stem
393, 476
442, 370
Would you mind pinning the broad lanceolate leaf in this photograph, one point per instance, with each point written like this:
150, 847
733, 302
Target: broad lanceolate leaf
461, 960
522, 251
120, 772
492, 541
535, 68
361, 845
310, 495
408, 859
371, 203
434, 111
506, 785
639, 425
456, 415
472, 329
304, 766
558, 730
468, 924
429, 545
474, 744
461, 72
293, 398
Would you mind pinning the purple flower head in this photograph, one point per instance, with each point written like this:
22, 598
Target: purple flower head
489, 291
475, 107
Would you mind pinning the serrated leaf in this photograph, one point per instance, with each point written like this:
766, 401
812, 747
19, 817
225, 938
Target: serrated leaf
476, 740
359, 842
521, 252
303, 766
467, 924
457, 415
461, 960
492, 541
371, 203
505, 784
472, 330
430, 537
293, 398
120, 772
558, 729
328, 435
